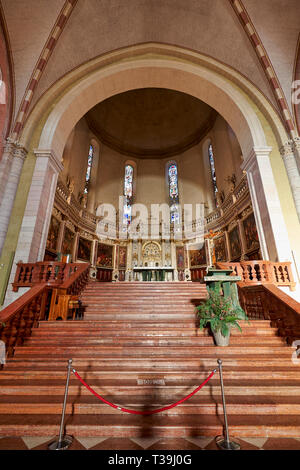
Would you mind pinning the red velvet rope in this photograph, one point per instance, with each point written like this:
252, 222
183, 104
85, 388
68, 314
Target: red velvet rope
149, 412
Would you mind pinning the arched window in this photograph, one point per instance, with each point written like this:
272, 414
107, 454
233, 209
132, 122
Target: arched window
213, 171
173, 192
89, 169
128, 194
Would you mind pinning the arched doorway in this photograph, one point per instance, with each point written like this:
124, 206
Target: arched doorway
254, 121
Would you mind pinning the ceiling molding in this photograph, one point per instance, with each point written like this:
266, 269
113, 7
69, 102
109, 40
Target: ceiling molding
266, 63
138, 152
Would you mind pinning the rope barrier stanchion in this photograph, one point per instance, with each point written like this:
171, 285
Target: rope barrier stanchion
145, 412
63, 442
224, 442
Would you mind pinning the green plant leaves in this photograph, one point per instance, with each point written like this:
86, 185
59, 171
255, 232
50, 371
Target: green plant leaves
220, 313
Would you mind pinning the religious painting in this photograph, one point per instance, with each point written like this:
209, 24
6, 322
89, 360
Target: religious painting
68, 240
235, 244
250, 232
84, 249
180, 257
104, 255
122, 257
53, 234
220, 249
197, 257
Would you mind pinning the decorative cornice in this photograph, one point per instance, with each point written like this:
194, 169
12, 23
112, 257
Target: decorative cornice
53, 159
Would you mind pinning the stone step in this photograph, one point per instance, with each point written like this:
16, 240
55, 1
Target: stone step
161, 375
236, 387
83, 341
235, 405
158, 425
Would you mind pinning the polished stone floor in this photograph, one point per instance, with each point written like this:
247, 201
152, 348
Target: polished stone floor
109, 443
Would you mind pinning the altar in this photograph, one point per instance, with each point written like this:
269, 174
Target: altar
153, 273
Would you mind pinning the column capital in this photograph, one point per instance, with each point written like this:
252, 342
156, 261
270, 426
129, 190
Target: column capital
287, 149
53, 158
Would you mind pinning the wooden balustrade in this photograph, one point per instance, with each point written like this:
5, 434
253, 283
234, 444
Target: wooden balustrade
262, 272
18, 318
197, 274
53, 273
267, 302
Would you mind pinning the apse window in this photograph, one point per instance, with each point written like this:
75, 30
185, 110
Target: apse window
213, 171
173, 193
128, 194
89, 169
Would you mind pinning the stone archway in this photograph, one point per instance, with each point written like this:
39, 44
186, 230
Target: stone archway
205, 80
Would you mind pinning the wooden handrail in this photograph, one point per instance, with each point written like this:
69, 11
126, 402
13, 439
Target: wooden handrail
18, 318
268, 302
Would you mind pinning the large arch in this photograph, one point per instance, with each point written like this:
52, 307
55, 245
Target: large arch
254, 121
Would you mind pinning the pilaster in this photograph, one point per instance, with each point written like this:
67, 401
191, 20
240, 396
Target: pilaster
288, 152
11, 168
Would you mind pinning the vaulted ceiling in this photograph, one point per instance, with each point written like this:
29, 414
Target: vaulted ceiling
49, 39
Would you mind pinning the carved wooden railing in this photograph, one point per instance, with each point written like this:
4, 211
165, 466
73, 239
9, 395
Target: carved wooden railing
267, 302
18, 318
262, 272
52, 273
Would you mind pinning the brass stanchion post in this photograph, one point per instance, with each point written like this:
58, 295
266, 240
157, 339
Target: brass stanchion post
63, 443
225, 443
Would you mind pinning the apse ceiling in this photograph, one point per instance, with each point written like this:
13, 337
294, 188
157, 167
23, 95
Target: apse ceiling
151, 122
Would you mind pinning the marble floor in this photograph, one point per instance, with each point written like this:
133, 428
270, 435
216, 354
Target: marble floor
109, 443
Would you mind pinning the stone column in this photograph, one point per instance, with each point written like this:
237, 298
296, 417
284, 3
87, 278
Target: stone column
227, 245
75, 247
60, 236
272, 232
296, 148
289, 159
242, 238
174, 261
14, 156
36, 220
115, 274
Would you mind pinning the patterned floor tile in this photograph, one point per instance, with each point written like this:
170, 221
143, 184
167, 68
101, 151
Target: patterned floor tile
34, 441
281, 444
89, 442
76, 445
244, 445
117, 443
144, 442
12, 443
201, 442
256, 441
173, 444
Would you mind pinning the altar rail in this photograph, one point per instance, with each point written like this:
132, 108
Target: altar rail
18, 318
262, 272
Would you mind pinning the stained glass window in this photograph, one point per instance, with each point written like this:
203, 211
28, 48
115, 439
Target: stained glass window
128, 194
173, 193
213, 171
89, 169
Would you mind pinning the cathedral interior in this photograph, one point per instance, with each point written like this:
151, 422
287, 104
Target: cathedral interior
146, 145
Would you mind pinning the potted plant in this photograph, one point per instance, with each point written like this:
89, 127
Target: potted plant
222, 315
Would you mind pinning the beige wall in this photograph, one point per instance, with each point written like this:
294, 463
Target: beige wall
150, 174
